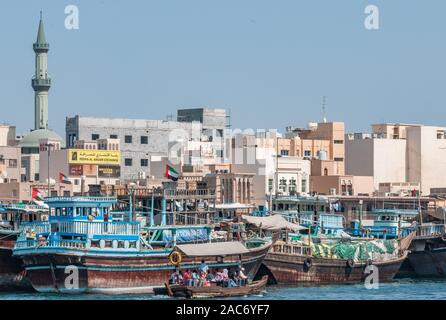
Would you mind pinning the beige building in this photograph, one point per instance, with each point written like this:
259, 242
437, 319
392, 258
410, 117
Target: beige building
399, 153
7, 135
382, 158
426, 157
10, 164
15, 192
401, 189
342, 185
293, 176
93, 169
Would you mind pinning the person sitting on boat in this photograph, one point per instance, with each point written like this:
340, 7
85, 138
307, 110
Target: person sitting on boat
179, 277
211, 277
219, 277
202, 280
232, 281
242, 277
195, 278
173, 278
187, 281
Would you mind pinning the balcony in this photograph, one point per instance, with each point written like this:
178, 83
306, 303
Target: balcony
41, 47
41, 84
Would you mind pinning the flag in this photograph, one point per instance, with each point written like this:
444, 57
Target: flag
63, 178
36, 195
38, 198
171, 173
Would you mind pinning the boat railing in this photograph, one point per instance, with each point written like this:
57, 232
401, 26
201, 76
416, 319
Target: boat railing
73, 244
37, 227
84, 227
96, 228
430, 230
81, 199
291, 249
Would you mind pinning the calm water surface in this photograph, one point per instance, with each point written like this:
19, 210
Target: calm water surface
399, 290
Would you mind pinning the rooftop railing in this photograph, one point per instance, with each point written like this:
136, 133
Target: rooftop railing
81, 199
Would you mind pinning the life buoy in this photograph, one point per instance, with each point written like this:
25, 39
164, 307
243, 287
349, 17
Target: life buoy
350, 263
175, 258
308, 263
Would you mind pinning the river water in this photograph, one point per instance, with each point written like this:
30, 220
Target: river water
403, 289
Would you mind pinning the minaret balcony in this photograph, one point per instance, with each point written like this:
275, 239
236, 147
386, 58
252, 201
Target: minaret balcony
41, 47
41, 84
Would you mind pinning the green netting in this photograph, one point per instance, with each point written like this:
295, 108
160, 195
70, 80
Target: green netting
358, 251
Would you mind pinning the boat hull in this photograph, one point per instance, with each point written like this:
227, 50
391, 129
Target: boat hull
71, 271
216, 291
12, 273
427, 258
291, 269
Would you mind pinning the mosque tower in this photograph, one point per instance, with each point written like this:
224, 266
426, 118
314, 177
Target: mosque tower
41, 82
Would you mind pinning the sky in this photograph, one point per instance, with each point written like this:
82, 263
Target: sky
269, 62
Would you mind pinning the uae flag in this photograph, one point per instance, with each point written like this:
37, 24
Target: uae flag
36, 194
63, 178
38, 198
171, 173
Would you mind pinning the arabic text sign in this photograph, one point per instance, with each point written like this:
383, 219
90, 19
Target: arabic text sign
94, 157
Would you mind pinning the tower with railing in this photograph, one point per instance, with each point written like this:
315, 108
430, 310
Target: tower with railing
41, 81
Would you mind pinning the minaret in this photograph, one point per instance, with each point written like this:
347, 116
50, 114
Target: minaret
41, 82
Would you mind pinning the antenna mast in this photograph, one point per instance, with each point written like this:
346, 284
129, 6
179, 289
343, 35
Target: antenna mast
324, 104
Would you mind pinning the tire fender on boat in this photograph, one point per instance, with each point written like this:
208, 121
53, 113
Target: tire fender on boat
308, 263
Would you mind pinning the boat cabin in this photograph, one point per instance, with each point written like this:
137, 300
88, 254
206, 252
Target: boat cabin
386, 223
81, 223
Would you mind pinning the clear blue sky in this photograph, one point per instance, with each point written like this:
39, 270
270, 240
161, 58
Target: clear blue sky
269, 61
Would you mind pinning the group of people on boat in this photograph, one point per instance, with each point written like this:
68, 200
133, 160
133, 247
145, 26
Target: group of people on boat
205, 277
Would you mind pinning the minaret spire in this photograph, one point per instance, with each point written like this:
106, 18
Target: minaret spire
41, 82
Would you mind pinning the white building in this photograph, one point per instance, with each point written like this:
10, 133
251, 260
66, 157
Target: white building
384, 159
399, 153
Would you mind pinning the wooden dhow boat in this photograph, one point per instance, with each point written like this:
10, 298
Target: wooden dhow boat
305, 259
216, 291
12, 216
81, 249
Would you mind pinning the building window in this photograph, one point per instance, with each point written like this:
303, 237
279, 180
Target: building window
12, 163
144, 162
270, 184
325, 172
338, 141
307, 153
304, 185
292, 187
128, 162
113, 136
36, 177
144, 140
76, 182
128, 139
94, 137
338, 159
282, 185
284, 153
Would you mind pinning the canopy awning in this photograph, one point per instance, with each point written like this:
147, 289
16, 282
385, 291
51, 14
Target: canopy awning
272, 223
212, 249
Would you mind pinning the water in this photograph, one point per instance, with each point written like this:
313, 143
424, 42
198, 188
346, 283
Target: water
404, 289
